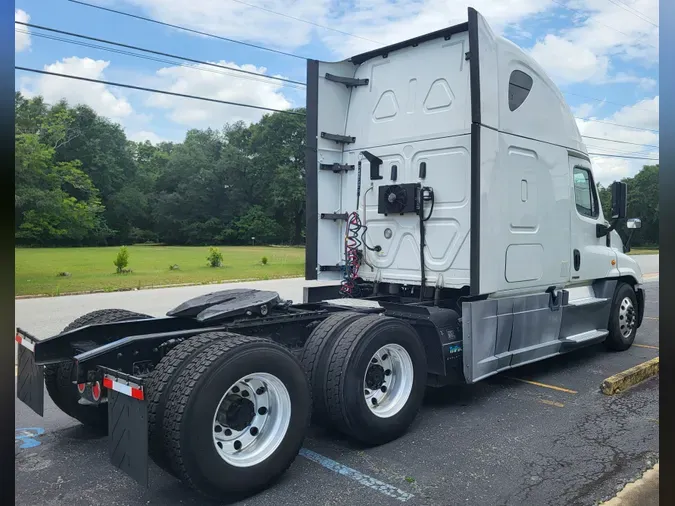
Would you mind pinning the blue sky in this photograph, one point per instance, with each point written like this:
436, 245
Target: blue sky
601, 53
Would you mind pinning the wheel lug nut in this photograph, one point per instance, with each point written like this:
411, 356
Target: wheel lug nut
237, 445
383, 388
374, 361
385, 356
244, 393
220, 445
374, 400
235, 389
218, 428
260, 391
227, 432
254, 431
262, 410
387, 372
367, 392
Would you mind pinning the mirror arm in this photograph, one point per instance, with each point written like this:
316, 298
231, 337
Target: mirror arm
602, 230
626, 246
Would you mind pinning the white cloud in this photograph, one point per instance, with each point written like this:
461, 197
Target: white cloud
21, 39
221, 86
644, 114
568, 62
95, 95
607, 34
145, 135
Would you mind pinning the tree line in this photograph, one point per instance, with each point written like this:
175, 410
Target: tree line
80, 182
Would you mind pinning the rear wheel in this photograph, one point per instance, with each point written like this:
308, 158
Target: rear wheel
236, 416
375, 379
58, 377
160, 383
623, 318
315, 355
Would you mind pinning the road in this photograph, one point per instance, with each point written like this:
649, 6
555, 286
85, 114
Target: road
542, 434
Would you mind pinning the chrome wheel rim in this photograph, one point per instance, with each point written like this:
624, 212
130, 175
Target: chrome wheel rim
251, 419
626, 317
388, 380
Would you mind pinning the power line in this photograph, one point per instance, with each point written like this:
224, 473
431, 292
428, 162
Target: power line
605, 101
152, 90
618, 141
615, 150
305, 21
151, 51
616, 124
206, 34
564, 6
622, 156
634, 12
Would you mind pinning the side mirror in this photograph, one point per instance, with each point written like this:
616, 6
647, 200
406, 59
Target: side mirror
619, 200
634, 223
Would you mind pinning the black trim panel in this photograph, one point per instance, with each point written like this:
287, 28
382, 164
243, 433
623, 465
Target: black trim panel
474, 82
311, 173
384, 51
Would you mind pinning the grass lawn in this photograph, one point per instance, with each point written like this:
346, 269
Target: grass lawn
36, 269
644, 251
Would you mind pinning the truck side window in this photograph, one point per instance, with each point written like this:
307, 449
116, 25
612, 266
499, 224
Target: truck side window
584, 196
520, 85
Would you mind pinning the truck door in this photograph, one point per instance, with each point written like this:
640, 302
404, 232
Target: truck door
590, 256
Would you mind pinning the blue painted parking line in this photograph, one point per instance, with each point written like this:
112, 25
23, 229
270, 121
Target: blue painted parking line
368, 481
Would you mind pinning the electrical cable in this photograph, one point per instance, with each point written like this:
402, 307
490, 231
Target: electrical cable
177, 27
145, 50
620, 142
305, 21
152, 90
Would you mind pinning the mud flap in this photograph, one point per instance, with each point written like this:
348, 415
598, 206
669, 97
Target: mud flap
30, 381
127, 427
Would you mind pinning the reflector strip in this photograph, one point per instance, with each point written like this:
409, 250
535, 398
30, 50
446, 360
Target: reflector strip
26, 343
135, 392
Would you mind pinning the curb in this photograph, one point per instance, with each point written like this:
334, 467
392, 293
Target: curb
641, 492
630, 377
150, 287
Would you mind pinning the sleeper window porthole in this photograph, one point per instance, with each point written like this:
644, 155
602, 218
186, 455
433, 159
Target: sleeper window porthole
520, 85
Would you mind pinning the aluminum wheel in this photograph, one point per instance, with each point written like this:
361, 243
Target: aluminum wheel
388, 380
251, 420
626, 317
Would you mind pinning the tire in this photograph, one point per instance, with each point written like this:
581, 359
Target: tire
348, 362
314, 357
189, 417
159, 385
623, 318
58, 376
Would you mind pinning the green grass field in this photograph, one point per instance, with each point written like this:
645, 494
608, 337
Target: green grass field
91, 269
644, 251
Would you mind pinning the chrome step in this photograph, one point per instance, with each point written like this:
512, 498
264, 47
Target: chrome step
585, 336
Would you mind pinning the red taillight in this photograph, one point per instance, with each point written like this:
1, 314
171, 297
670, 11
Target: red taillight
18, 338
81, 387
96, 391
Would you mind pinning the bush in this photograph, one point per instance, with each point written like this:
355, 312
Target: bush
215, 257
122, 259
264, 260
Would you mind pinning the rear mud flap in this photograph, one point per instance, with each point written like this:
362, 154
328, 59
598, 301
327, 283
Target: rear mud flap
30, 381
127, 428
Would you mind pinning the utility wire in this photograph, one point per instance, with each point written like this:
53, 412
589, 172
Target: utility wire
206, 34
584, 13
306, 21
605, 101
618, 141
615, 150
260, 77
622, 156
225, 102
152, 90
634, 12
616, 124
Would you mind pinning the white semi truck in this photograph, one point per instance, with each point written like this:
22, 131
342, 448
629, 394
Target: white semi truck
451, 200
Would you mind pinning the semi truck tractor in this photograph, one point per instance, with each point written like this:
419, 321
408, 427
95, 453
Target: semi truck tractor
452, 213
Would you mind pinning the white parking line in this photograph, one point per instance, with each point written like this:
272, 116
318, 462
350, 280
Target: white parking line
368, 481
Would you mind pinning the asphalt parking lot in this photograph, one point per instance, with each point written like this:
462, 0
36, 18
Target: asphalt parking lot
541, 434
